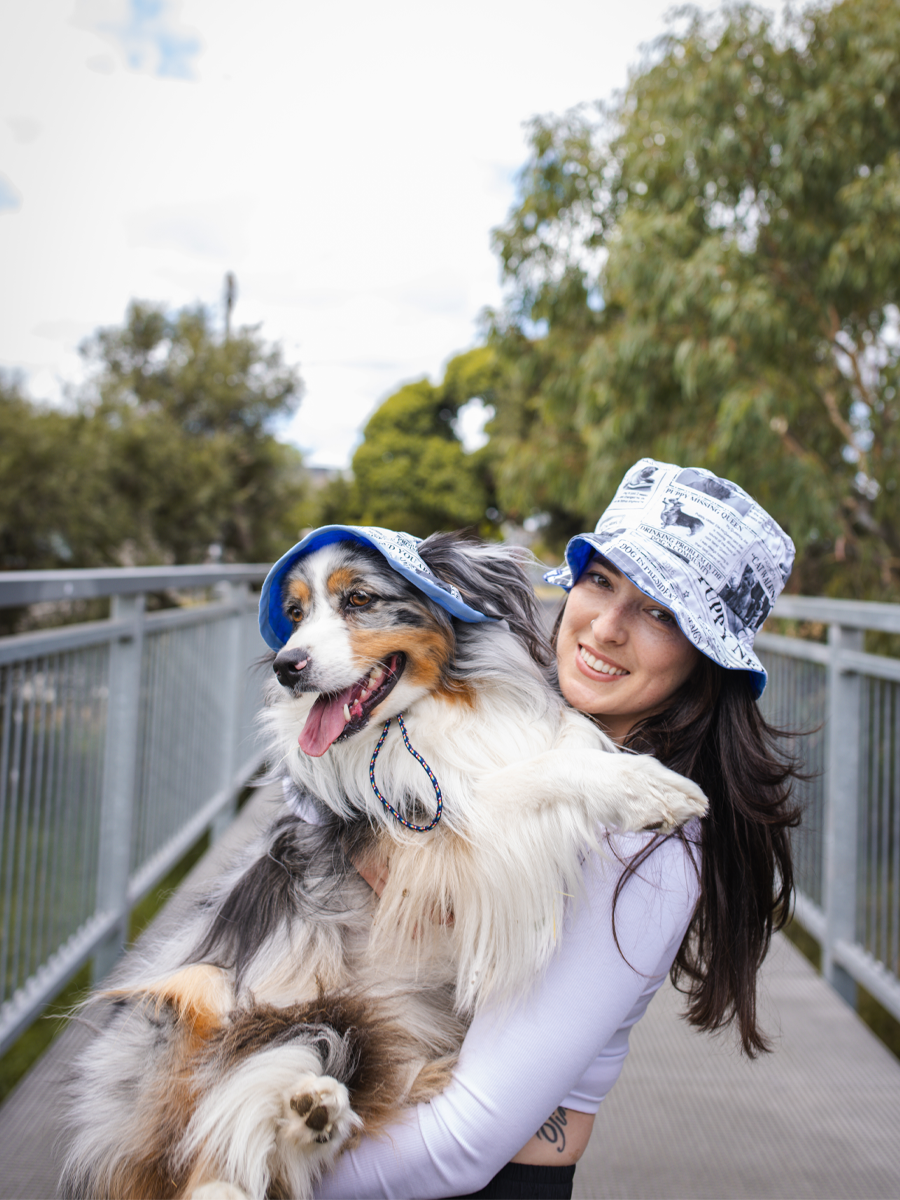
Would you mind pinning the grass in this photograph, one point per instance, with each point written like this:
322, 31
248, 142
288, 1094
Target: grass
879, 1020
28, 1048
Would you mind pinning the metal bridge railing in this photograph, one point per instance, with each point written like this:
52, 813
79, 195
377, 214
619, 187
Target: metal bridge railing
121, 742
848, 847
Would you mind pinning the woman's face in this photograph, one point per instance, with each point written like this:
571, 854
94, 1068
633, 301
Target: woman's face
621, 655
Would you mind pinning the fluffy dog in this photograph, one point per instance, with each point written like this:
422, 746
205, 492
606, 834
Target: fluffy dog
290, 1008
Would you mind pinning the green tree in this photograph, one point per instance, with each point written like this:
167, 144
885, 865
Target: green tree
707, 271
190, 419
170, 448
411, 471
56, 505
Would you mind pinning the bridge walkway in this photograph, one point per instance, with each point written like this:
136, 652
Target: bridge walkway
690, 1119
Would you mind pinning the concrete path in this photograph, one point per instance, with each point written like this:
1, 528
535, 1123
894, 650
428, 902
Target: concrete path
689, 1119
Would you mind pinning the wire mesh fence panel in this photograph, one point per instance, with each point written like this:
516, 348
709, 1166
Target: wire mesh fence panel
180, 734
878, 844
253, 678
53, 722
121, 742
796, 699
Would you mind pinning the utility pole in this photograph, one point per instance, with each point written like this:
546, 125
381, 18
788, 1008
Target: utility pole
230, 297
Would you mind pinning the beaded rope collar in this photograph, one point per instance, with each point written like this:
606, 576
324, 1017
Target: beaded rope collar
425, 767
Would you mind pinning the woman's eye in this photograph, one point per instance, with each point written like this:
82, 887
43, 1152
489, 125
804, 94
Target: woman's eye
662, 615
599, 580
358, 599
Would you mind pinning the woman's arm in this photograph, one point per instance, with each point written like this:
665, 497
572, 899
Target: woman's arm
517, 1066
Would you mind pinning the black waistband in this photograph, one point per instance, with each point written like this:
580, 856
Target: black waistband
522, 1181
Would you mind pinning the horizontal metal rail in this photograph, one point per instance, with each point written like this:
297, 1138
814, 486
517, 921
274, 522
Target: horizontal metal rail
32, 587
847, 850
121, 742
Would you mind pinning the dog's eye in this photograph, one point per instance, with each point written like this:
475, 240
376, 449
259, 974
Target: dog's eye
359, 599
295, 614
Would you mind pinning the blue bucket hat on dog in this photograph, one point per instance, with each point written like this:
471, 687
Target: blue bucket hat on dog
400, 550
699, 545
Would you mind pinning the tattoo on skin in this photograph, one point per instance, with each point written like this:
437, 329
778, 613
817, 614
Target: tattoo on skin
553, 1130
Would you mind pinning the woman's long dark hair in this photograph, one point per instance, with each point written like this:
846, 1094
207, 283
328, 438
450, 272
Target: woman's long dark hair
714, 733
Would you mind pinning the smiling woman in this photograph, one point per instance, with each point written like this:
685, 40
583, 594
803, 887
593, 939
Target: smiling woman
654, 643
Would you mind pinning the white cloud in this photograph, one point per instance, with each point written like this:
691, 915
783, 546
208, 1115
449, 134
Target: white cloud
10, 196
24, 129
147, 33
215, 229
346, 161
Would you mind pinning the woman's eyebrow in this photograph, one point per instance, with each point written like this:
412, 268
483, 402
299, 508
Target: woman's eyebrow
604, 564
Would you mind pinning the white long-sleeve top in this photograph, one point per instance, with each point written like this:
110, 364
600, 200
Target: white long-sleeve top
564, 1044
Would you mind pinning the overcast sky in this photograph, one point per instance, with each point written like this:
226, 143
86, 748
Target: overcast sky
347, 160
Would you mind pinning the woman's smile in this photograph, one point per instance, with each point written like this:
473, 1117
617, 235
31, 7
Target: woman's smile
599, 665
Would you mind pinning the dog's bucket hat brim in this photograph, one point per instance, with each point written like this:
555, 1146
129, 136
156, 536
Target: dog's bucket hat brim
400, 550
701, 546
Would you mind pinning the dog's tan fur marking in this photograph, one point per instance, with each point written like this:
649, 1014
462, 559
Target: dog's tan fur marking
428, 652
201, 996
341, 580
154, 1176
432, 1079
297, 589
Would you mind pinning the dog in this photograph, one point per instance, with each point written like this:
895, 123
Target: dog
291, 1008
673, 514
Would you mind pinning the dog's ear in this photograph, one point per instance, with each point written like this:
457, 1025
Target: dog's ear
492, 579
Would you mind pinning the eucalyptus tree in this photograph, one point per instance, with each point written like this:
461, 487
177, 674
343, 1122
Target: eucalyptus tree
192, 421
708, 270
411, 470
169, 448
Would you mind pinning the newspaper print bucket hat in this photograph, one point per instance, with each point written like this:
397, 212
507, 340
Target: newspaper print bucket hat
400, 550
699, 545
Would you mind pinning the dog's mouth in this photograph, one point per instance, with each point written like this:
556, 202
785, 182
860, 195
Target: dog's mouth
336, 716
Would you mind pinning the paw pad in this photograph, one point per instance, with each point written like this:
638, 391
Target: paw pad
316, 1115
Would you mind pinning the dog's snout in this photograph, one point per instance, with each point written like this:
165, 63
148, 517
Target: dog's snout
288, 666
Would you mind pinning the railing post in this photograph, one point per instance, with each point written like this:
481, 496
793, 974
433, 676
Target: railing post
232, 682
842, 800
117, 806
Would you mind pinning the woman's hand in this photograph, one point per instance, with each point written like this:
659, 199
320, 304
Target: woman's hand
373, 870
376, 873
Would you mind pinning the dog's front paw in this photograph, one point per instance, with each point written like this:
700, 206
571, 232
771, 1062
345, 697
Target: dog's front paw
663, 799
318, 1111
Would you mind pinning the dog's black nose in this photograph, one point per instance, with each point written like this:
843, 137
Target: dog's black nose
288, 665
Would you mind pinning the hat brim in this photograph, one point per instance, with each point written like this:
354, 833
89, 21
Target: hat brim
274, 626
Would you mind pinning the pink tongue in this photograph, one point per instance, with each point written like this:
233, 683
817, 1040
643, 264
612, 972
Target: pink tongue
324, 723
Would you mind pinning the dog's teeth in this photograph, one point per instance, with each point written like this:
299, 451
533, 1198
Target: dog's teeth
347, 713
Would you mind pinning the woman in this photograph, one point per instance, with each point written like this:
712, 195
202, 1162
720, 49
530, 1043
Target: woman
654, 643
